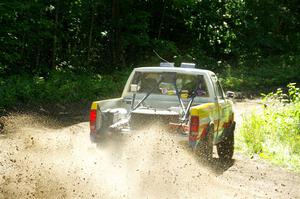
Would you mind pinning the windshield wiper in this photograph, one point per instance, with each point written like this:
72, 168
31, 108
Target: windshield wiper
147, 95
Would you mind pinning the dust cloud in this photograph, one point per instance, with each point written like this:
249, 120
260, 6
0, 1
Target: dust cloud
41, 159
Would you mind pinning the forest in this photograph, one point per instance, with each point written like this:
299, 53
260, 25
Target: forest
55, 54
78, 50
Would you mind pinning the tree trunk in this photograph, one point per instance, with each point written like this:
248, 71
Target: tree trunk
38, 50
117, 40
55, 38
91, 35
162, 19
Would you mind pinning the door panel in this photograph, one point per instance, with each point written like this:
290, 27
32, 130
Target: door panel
223, 107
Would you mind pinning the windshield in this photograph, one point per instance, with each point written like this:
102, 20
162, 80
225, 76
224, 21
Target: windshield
166, 83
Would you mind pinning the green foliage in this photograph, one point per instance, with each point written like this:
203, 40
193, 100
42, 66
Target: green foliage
274, 134
253, 45
260, 76
292, 95
166, 49
60, 87
99, 36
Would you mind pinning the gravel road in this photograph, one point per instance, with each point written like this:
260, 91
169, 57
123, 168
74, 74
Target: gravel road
39, 158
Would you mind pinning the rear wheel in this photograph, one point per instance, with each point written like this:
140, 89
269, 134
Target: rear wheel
205, 147
226, 147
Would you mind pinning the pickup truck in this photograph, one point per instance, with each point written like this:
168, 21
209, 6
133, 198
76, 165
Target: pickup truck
190, 101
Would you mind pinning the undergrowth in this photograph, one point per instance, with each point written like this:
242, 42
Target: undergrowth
261, 75
59, 87
274, 134
246, 75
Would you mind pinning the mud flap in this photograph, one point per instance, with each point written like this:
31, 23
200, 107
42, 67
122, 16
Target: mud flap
93, 137
229, 130
194, 141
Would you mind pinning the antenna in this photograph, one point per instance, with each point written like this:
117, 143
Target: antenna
160, 57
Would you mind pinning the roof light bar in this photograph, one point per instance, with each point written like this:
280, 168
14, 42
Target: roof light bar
188, 65
166, 64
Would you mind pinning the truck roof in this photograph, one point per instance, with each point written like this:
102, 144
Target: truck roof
174, 69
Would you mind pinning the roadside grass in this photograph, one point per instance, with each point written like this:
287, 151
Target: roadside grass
274, 134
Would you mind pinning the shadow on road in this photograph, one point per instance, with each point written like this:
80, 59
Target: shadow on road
53, 116
216, 165
115, 145
219, 166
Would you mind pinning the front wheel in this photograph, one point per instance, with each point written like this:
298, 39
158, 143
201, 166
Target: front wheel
226, 147
204, 148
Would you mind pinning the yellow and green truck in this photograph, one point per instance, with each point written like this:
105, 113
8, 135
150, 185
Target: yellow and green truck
189, 101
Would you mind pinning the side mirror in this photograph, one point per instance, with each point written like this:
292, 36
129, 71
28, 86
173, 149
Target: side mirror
230, 94
134, 87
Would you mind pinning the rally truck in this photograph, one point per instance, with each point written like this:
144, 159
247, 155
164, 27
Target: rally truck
187, 100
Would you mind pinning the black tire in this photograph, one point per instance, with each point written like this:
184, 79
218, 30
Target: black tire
225, 148
204, 148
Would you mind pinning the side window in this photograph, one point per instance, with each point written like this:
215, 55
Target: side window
218, 88
220, 93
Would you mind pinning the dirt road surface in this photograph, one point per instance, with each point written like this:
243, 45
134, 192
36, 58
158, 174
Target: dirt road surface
42, 159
